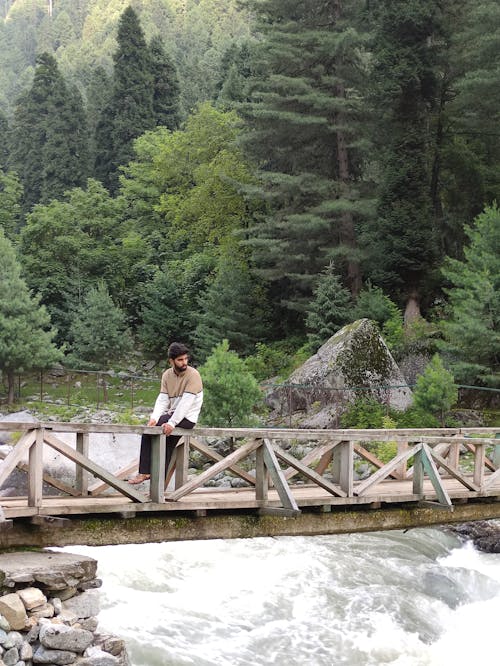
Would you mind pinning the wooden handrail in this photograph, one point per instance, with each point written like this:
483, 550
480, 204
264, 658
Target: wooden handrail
335, 448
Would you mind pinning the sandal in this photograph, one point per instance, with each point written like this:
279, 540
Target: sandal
139, 478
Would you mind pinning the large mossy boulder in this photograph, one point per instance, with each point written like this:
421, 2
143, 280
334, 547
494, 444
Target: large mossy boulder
354, 362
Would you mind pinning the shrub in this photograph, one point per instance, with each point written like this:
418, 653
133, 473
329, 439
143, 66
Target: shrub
231, 392
435, 391
364, 413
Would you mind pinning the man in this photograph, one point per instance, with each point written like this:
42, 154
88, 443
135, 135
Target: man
178, 405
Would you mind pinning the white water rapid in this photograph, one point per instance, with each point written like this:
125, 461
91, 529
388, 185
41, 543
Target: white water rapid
420, 598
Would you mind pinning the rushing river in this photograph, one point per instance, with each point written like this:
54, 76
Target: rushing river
408, 599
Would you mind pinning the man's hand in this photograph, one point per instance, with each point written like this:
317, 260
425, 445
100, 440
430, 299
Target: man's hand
152, 422
167, 428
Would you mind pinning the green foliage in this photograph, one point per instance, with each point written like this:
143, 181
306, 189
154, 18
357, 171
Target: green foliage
11, 193
415, 417
204, 169
368, 413
330, 309
68, 246
373, 304
419, 337
472, 332
165, 317
166, 109
231, 392
278, 359
364, 413
49, 138
99, 332
435, 391
130, 110
182, 190
25, 332
231, 309
386, 451
401, 242
300, 126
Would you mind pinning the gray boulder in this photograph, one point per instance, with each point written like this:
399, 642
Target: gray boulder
352, 363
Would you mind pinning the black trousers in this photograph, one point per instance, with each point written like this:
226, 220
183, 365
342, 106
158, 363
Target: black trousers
145, 456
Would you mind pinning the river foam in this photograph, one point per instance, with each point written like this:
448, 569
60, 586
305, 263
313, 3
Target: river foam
420, 598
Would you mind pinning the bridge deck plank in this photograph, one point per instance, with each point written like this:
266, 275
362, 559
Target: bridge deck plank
306, 495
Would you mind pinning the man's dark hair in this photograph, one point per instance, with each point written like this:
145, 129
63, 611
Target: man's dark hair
177, 349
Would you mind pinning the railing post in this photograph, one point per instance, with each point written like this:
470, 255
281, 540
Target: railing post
35, 470
343, 466
261, 476
479, 460
181, 462
454, 455
81, 475
158, 457
401, 470
418, 472
496, 452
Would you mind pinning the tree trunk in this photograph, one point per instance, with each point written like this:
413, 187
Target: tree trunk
347, 231
412, 310
11, 382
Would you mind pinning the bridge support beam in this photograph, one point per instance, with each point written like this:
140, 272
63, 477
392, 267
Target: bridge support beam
156, 528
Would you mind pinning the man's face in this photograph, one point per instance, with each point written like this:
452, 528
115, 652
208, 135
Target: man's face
180, 363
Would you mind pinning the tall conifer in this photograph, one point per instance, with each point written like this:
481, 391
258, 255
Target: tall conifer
403, 238
25, 333
166, 90
130, 111
301, 128
49, 146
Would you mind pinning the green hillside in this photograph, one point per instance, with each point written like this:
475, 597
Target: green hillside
82, 36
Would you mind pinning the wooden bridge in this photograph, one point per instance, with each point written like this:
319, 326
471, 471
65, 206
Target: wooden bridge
435, 476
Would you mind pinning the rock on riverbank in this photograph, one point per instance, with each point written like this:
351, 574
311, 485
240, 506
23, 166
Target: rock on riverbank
48, 612
484, 534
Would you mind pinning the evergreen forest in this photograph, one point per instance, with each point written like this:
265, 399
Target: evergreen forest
252, 173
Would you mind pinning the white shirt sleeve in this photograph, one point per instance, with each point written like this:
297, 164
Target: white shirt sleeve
161, 406
182, 408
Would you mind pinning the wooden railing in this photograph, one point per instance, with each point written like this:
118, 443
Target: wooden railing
434, 453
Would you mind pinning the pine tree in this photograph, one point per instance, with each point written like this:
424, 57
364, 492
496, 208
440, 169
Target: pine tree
98, 96
25, 332
49, 145
4, 142
231, 308
99, 332
301, 127
330, 309
130, 110
66, 162
236, 70
164, 315
10, 205
435, 391
166, 90
472, 332
473, 164
231, 392
403, 240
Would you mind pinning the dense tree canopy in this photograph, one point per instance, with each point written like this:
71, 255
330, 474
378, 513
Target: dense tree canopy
301, 125
205, 162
